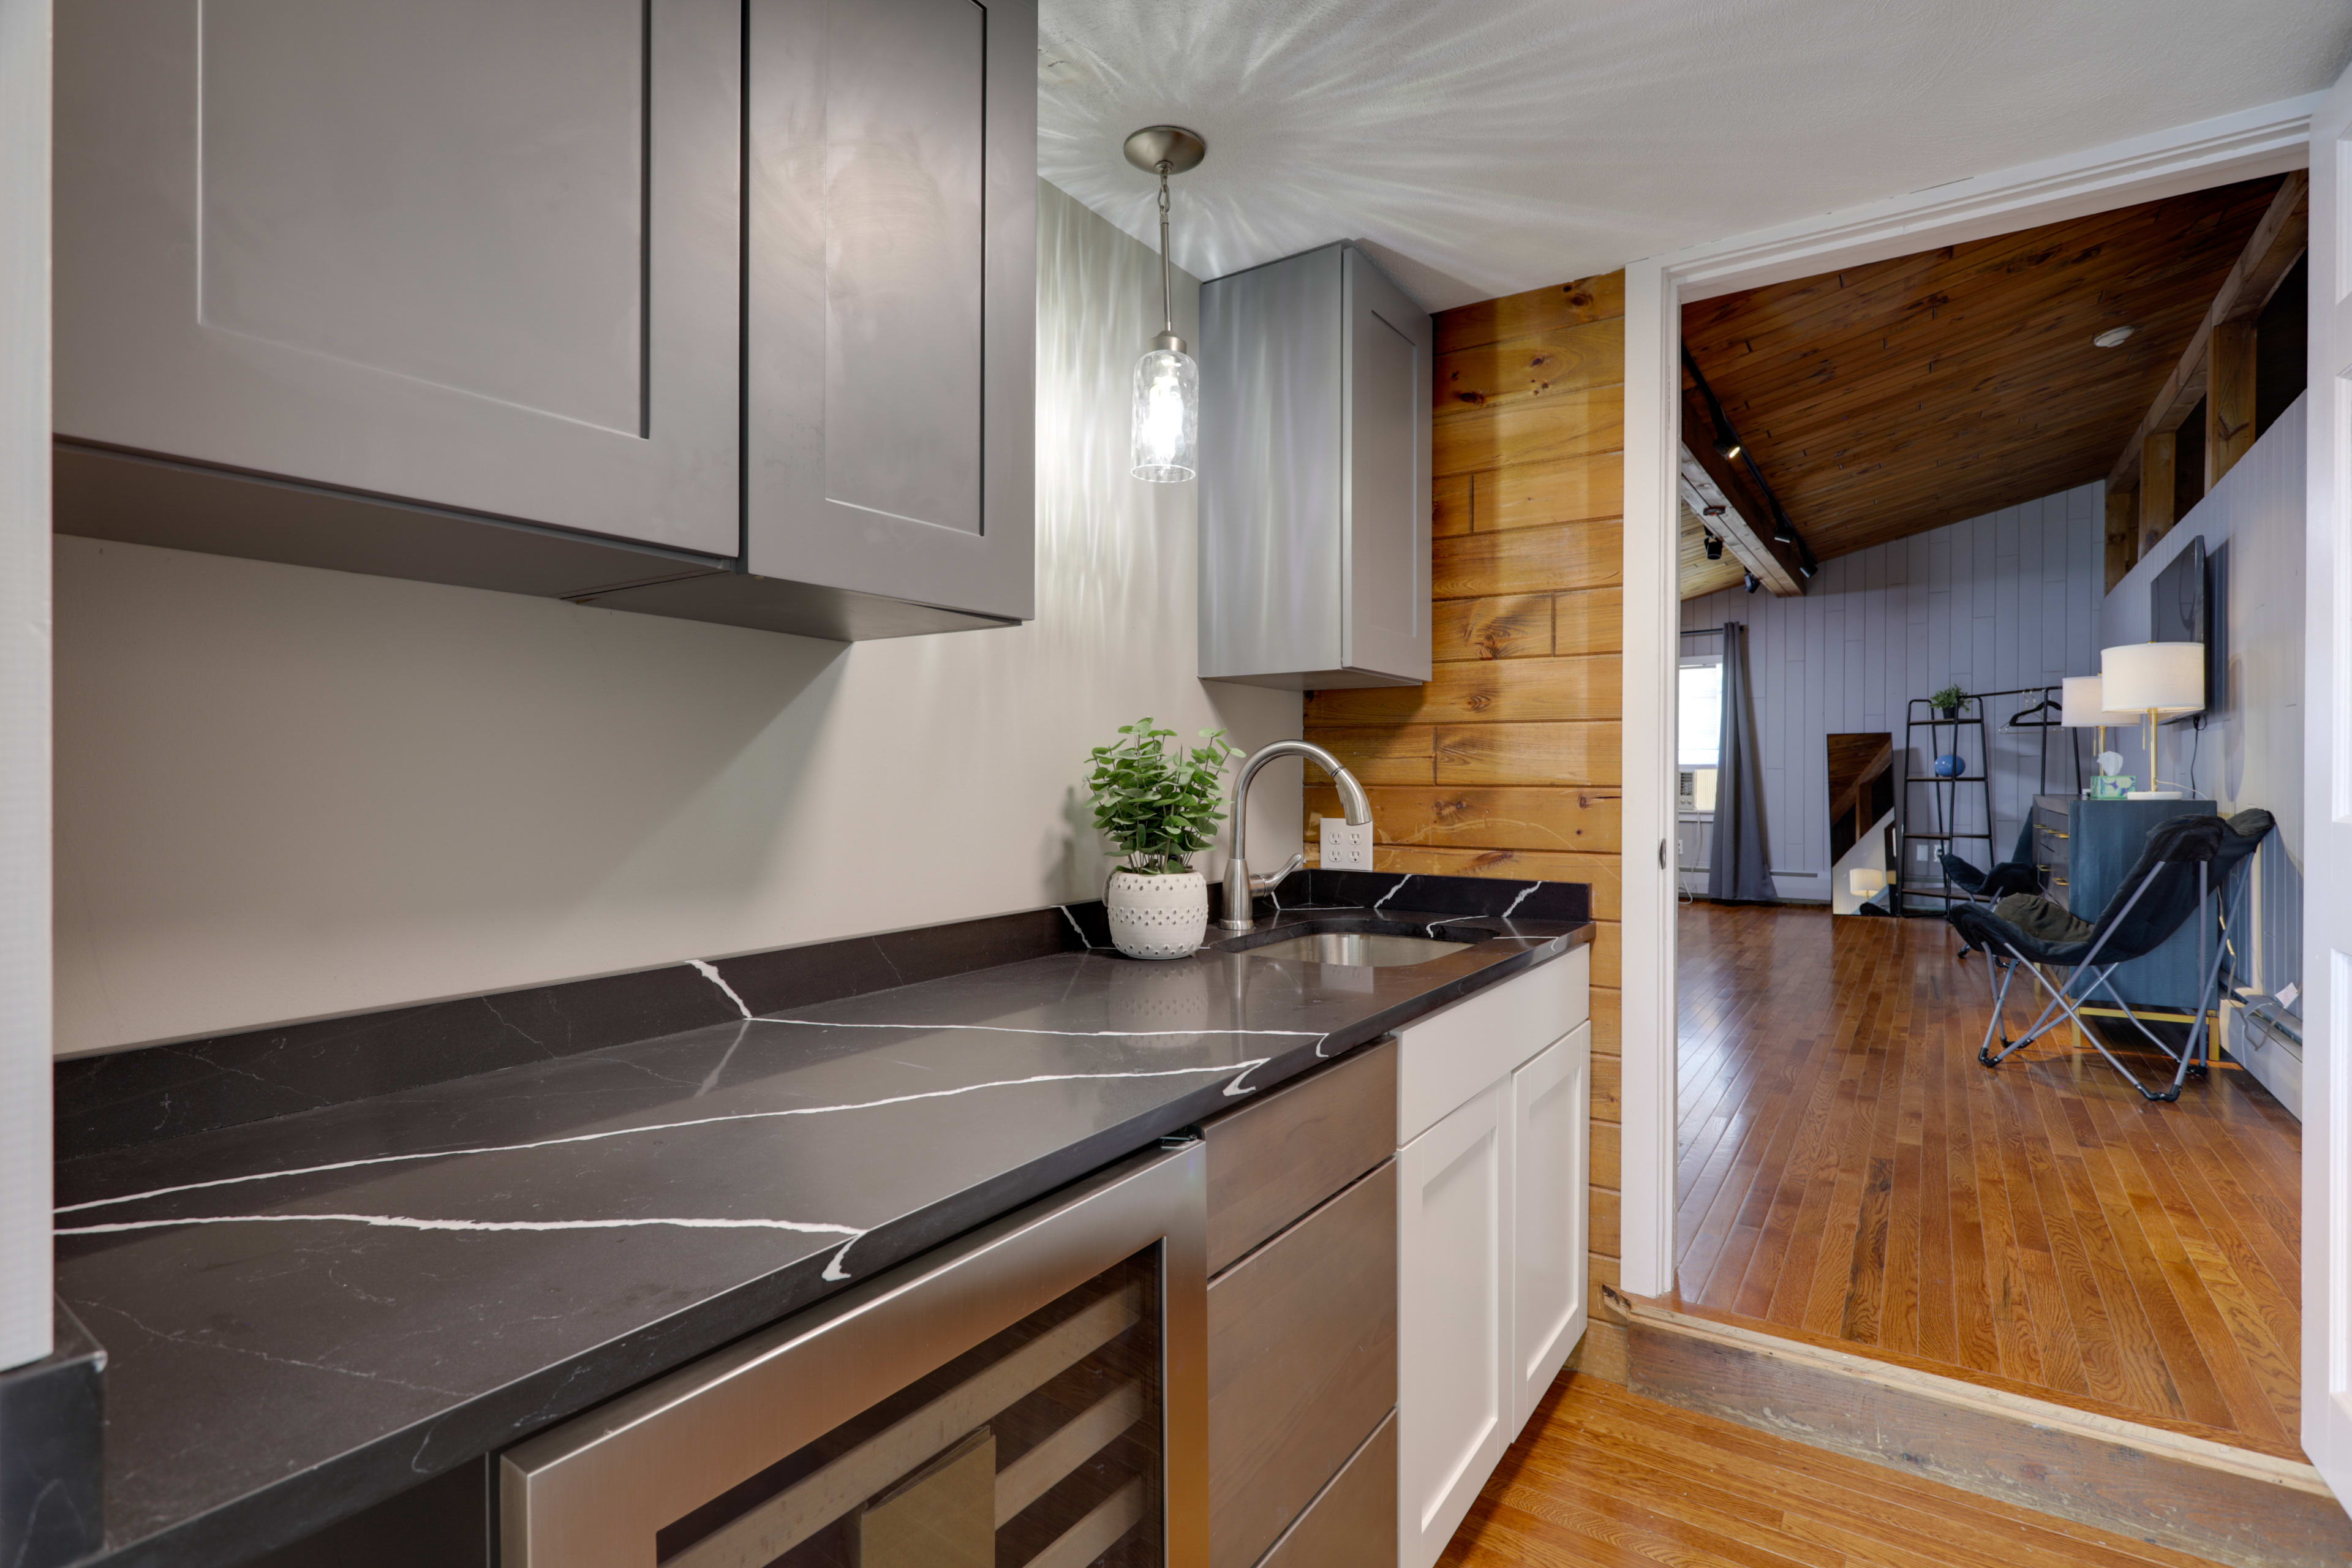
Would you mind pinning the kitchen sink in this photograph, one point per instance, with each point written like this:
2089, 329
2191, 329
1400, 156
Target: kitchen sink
1365, 950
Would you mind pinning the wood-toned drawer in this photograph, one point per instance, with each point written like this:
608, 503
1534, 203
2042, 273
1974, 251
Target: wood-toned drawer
1302, 1364
1458, 1050
1354, 1523
1273, 1159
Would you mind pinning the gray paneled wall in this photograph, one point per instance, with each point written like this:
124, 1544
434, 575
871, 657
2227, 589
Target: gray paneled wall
2005, 600
2247, 752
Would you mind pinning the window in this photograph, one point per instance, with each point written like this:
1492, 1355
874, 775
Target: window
1700, 731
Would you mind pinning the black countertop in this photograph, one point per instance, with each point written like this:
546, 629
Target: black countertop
308, 1313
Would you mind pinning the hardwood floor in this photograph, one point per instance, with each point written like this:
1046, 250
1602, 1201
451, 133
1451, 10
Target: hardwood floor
1603, 1477
1849, 1173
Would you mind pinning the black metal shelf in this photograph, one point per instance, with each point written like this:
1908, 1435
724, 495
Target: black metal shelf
1944, 799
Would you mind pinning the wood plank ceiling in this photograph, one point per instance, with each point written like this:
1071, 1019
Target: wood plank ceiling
1885, 400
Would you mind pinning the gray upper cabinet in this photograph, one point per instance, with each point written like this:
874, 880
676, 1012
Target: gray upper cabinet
891, 299
1315, 494
479, 254
474, 291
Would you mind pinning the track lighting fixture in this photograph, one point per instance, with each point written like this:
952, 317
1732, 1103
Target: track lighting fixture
1727, 445
1753, 583
1713, 547
1807, 565
1783, 530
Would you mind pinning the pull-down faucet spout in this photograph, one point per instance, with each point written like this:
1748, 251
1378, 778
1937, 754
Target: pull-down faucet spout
1241, 888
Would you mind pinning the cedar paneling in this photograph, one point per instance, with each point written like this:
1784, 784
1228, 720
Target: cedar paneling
1569, 424
1529, 495
1514, 627
1581, 821
1492, 692
1559, 755
1449, 504
1508, 762
1529, 561
1541, 366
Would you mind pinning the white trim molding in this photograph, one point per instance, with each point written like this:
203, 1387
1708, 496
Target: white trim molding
2266, 140
25, 984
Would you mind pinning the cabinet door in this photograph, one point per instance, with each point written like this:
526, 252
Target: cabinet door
1389, 344
1454, 1319
475, 253
891, 299
1550, 1101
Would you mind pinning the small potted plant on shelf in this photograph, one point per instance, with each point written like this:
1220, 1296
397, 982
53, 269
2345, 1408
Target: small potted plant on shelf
1160, 806
1948, 701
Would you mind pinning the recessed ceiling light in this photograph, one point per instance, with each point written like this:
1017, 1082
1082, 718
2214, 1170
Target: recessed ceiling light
2113, 338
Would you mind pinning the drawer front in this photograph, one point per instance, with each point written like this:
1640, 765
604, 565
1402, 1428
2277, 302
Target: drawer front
1455, 1052
1353, 1523
1275, 1159
1302, 1364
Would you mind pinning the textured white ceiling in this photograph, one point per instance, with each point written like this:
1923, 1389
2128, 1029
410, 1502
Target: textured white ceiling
1482, 147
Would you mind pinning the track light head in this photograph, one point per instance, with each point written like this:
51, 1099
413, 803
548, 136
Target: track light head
1783, 530
1807, 565
1753, 583
1727, 445
1713, 547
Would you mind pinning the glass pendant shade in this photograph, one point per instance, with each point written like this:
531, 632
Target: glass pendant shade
1167, 416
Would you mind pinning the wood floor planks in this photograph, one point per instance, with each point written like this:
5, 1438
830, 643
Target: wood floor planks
1848, 1172
1603, 1476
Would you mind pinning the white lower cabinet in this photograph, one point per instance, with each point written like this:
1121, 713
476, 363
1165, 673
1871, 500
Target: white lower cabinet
1492, 1209
1550, 1128
1454, 1319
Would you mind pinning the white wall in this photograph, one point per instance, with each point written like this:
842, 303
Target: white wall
288, 794
2250, 751
2009, 599
24, 1313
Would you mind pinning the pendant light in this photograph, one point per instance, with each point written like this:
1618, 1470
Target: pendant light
1167, 428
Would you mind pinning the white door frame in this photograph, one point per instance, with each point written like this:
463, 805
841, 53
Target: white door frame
2266, 140
24, 1061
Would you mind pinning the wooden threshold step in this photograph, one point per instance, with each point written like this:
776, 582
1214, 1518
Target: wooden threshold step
2227, 1504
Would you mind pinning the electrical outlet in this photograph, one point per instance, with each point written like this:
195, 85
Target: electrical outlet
1346, 849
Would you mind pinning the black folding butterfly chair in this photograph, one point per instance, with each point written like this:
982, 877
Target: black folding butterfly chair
2018, 874
2184, 862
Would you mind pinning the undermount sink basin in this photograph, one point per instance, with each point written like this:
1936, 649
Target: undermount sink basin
1365, 950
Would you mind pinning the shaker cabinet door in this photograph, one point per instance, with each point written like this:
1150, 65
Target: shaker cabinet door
891, 299
479, 254
1549, 1184
1454, 1396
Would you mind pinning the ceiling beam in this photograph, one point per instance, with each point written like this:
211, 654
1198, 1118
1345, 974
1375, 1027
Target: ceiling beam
2270, 254
1710, 481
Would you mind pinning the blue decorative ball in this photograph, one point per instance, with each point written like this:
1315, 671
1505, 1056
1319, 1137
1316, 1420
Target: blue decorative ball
1948, 766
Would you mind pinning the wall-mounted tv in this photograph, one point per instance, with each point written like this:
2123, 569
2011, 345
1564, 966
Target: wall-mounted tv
2180, 609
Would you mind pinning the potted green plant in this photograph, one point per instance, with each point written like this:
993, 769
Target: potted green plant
1948, 701
1160, 806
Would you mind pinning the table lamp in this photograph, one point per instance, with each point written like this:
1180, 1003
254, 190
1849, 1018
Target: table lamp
2084, 707
2159, 679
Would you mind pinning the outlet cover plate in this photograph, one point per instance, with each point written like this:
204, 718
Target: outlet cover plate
1346, 849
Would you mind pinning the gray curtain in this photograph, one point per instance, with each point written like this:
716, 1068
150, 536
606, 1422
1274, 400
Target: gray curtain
1738, 868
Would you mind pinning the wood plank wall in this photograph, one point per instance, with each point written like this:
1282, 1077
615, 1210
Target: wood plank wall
1507, 763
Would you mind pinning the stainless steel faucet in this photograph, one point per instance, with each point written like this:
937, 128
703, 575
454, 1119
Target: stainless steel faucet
1241, 888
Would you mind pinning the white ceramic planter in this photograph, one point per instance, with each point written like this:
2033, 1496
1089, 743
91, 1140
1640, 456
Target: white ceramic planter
1157, 917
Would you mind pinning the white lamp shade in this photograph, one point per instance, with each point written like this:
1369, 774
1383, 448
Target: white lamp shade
1865, 882
2168, 676
2085, 709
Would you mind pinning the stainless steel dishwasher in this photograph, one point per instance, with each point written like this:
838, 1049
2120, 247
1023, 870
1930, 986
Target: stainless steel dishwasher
1034, 1394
